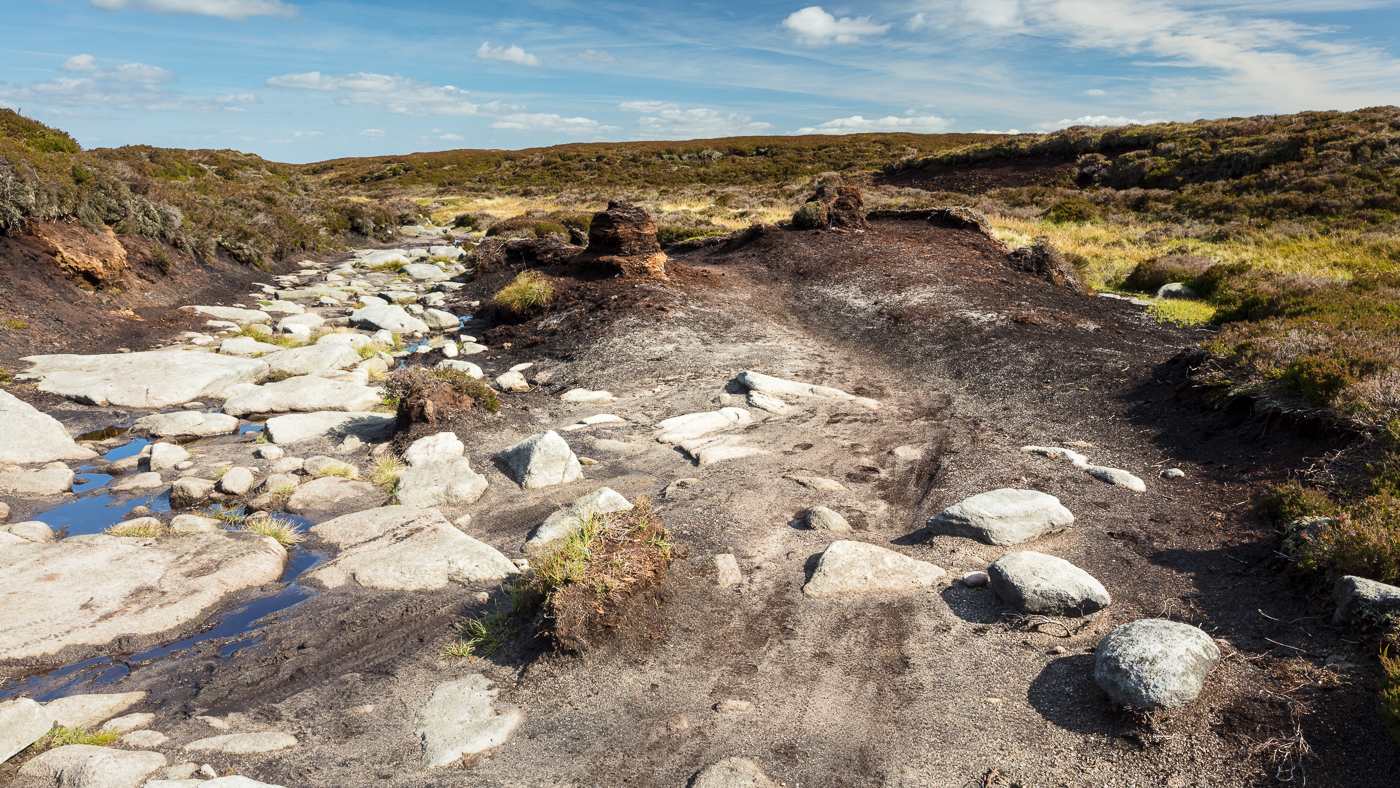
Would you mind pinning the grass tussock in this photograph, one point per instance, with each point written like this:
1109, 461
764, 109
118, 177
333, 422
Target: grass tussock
62, 736
528, 292
483, 636
421, 394
339, 471
1182, 311
385, 474
278, 497
583, 587
284, 532
139, 530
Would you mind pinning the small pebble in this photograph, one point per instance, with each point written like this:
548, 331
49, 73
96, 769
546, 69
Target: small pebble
1173, 473
975, 579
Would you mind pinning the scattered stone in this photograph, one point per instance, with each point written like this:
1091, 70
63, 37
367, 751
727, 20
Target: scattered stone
90, 590
727, 573
1173, 473
440, 320
186, 424
571, 518
194, 524
401, 548
190, 491
269, 451
298, 427
230, 313
129, 722
1154, 663
321, 465
768, 403
816, 483
244, 743
166, 455
1003, 517
732, 773
237, 481
690, 426
87, 711
513, 382
388, 317
542, 461
142, 481
465, 366
1367, 601
1117, 477
331, 495
300, 324
734, 706
600, 420
86, 766
856, 568
152, 379
582, 396
780, 387
820, 518
247, 347
462, 718
1056, 453
1034, 582
29, 531
22, 722
975, 579
30, 436
712, 450
52, 479
287, 465
302, 394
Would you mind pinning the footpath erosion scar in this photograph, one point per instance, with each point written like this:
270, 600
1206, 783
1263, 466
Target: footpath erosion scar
870, 504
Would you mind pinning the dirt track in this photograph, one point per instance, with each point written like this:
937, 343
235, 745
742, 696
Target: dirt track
970, 361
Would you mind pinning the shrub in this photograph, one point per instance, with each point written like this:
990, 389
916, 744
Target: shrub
1364, 541
584, 586
1390, 693
1149, 275
1071, 210
527, 292
1292, 501
436, 396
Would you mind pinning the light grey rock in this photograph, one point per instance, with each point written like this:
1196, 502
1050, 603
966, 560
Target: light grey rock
29, 436
543, 460
330, 495
52, 479
512, 381
727, 574
816, 483
244, 743
247, 347
144, 739
1116, 477
164, 456
1034, 582
855, 568
237, 481
1154, 663
599, 420
1058, 453
402, 548
975, 579
321, 465
302, 394
190, 491
287, 465
29, 531
129, 722
298, 427
1368, 601
691, 426
151, 379
448, 483
139, 482
312, 360
230, 313
89, 711
1176, 290
389, 317
86, 766
449, 349
351, 338
282, 308
300, 324
90, 590
186, 424
440, 320
717, 449
442, 447
1003, 517
462, 718
569, 519
194, 524
1173, 473
732, 773
820, 518
587, 396
473, 348
22, 722
769, 403
426, 272
269, 451
781, 388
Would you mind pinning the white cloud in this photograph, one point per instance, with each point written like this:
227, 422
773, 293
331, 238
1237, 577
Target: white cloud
80, 63
448, 136
667, 119
549, 121
394, 93
506, 54
815, 27
1095, 120
226, 9
372, 133
856, 124
1095, 92
140, 72
596, 56
916, 22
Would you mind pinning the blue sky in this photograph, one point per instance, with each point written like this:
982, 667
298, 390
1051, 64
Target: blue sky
303, 80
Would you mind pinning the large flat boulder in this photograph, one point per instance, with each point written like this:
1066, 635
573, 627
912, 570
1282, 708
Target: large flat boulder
231, 313
690, 426
88, 766
186, 424
303, 393
462, 718
151, 379
334, 495
298, 427
390, 317
859, 569
1034, 582
1003, 517
312, 360
399, 548
52, 479
90, 590
89, 711
28, 435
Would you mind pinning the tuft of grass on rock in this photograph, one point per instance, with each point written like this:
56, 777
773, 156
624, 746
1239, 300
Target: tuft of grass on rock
482, 636
283, 531
62, 736
339, 471
278, 497
138, 530
385, 474
527, 292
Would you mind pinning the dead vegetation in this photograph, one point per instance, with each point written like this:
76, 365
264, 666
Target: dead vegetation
436, 397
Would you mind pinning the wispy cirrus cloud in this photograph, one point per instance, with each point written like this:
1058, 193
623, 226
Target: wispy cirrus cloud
665, 119
855, 124
397, 94
226, 9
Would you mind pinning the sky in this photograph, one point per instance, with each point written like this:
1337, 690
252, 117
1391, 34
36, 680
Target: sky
307, 80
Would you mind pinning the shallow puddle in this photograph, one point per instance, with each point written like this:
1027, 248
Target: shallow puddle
94, 512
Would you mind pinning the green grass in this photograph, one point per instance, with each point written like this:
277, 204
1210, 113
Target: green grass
341, 471
1182, 311
483, 636
138, 530
230, 515
62, 736
278, 497
403, 384
385, 474
283, 531
13, 324
527, 292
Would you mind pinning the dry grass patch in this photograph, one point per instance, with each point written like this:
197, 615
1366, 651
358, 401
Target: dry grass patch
385, 474
527, 292
139, 530
283, 531
63, 736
